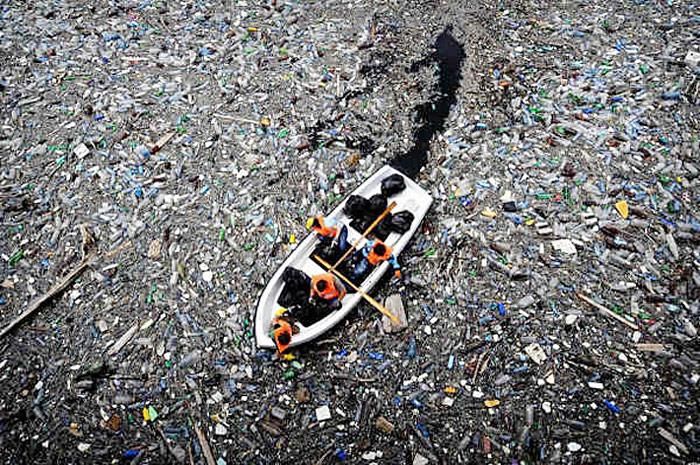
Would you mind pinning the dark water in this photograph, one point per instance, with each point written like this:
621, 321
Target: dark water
449, 54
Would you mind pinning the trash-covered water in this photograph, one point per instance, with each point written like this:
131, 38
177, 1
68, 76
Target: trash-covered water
158, 161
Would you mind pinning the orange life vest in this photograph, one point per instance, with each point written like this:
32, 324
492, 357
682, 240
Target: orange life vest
281, 329
322, 229
330, 292
374, 259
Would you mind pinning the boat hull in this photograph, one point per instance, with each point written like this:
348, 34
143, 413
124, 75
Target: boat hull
412, 198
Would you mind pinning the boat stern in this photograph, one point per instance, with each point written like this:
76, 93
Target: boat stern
262, 337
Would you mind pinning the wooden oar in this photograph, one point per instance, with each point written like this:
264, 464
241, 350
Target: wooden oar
369, 229
366, 296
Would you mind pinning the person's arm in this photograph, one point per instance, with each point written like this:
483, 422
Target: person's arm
395, 265
367, 248
340, 287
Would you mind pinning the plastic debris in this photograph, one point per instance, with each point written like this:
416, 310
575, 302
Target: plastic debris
611, 406
536, 353
323, 413
564, 245
622, 208
149, 413
83, 446
185, 145
573, 447
394, 304
384, 425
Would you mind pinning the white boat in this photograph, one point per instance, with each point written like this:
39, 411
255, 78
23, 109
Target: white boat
413, 198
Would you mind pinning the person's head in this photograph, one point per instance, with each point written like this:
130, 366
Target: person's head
322, 285
379, 249
313, 223
283, 338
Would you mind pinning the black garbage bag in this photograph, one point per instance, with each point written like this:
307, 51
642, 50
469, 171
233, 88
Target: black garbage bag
313, 312
392, 185
360, 224
377, 205
381, 231
356, 206
384, 228
327, 250
402, 221
296, 290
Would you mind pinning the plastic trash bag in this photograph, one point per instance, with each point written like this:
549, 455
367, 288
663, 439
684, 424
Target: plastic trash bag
381, 231
401, 222
377, 205
392, 185
328, 250
384, 228
297, 287
360, 224
356, 206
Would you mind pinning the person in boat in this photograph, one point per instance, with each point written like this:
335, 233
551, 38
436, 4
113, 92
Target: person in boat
329, 231
327, 288
281, 333
372, 254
